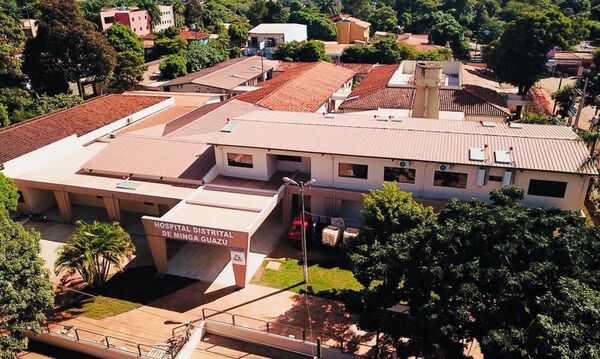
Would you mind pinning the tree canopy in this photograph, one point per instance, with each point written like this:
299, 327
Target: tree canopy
122, 38
173, 66
522, 281
319, 27
200, 56
305, 51
67, 49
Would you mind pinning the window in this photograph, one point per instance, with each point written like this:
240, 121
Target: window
239, 160
397, 174
353, 170
21, 198
493, 178
547, 188
450, 179
289, 158
109, 19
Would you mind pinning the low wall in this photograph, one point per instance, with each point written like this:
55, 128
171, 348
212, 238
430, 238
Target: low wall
85, 348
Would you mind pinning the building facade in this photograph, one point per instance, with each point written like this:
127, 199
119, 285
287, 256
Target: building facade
137, 20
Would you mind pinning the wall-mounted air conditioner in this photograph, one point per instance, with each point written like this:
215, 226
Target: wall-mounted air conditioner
444, 167
404, 163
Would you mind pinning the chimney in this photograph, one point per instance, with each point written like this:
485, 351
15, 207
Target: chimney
428, 80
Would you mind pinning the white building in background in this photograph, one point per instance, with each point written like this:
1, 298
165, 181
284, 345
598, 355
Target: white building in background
273, 35
167, 18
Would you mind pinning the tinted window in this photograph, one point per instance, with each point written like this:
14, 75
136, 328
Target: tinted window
547, 188
450, 179
289, 158
495, 178
239, 160
397, 174
353, 170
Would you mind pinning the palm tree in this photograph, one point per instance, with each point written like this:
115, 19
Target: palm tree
93, 250
153, 11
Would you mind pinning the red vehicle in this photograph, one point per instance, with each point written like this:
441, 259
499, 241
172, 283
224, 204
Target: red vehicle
295, 231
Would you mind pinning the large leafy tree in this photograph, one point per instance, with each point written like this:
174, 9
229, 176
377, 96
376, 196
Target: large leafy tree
383, 18
129, 70
358, 8
25, 290
443, 28
200, 56
173, 66
153, 10
304, 51
318, 26
386, 51
524, 282
520, 55
12, 40
66, 49
94, 250
329, 7
122, 38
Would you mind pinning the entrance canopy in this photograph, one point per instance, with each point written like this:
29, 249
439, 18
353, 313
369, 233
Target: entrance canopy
216, 214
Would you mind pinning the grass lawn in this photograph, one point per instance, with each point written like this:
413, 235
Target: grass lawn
101, 307
126, 291
327, 281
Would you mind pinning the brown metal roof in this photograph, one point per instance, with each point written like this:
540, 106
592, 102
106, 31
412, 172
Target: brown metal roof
155, 158
534, 147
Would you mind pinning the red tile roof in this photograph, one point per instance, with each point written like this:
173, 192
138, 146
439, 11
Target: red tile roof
193, 35
33, 134
348, 17
305, 88
373, 93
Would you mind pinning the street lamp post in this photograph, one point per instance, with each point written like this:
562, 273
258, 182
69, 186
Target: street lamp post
582, 100
301, 185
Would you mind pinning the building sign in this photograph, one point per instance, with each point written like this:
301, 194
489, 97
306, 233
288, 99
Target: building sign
191, 233
238, 257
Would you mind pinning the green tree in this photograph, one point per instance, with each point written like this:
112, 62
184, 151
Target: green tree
520, 280
173, 66
329, 7
442, 54
541, 119
574, 7
358, 8
66, 49
319, 27
9, 195
44, 104
164, 46
129, 70
303, 51
18, 103
195, 13
122, 38
94, 250
443, 28
12, 40
4, 119
383, 18
565, 99
200, 56
25, 289
238, 33
386, 51
257, 12
519, 57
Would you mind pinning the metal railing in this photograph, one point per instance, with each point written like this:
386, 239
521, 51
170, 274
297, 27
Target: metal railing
351, 346
110, 342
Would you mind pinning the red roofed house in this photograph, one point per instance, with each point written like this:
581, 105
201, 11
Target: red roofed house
309, 87
392, 90
194, 36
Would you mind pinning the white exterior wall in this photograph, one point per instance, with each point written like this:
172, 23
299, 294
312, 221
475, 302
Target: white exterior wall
324, 168
296, 33
167, 18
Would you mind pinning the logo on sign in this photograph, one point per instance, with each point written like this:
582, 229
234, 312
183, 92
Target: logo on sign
238, 257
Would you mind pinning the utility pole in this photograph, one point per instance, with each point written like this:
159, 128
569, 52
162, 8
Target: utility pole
581, 101
301, 185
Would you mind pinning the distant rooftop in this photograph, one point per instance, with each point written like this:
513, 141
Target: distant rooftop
276, 28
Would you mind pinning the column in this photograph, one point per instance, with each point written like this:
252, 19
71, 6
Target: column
112, 208
158, 247
286, 208
239, 259
64, 205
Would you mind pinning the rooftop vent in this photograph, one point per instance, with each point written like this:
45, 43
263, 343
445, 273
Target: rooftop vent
502, 156
228, 128
515, 125
477, 154
488, 124
127, 184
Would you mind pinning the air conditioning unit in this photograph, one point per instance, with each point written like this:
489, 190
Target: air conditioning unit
445, 167
404, 164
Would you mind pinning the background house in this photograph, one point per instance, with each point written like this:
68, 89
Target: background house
274, 34
351, 29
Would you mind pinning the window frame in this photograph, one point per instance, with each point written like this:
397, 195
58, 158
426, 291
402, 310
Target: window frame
231, 162
413, 170
459, 174
545, 192
353, 175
